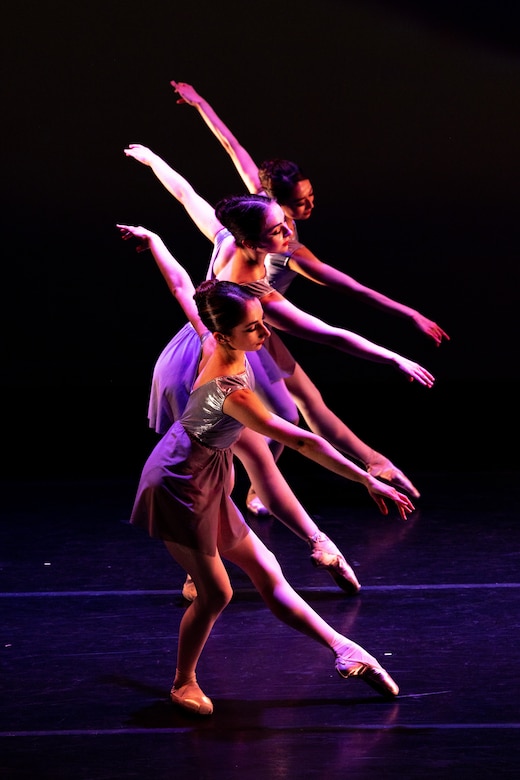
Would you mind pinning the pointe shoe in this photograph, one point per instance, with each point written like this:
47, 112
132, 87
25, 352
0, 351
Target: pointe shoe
191, 698
375, 676
385, 470
255, 506
325, 555
189, 591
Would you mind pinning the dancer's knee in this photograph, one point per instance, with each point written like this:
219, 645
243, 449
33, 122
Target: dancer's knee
215, 597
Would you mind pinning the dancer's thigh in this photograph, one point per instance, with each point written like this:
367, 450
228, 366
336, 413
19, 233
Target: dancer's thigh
257, 561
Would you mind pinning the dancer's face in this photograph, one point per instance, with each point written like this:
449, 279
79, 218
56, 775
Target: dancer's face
276, 233
251, 332
301, 202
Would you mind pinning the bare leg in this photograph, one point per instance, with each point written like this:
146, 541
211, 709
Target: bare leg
265, 572
214, 593
323, 421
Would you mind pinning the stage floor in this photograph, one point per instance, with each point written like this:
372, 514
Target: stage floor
90, 609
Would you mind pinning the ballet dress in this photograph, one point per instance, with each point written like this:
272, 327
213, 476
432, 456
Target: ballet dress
184, 490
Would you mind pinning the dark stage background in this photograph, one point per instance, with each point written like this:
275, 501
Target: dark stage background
405, 116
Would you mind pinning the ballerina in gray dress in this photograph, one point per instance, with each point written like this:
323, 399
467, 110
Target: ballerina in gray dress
184, 499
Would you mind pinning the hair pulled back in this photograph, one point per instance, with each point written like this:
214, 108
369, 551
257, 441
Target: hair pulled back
221, 305
278, 178
244, 216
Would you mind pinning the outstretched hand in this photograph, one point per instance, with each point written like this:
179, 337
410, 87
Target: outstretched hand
415, 371
379, 491
187, 94
140, 153
430, 329
142, 235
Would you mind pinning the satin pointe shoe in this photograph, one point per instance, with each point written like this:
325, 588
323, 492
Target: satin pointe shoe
385, 470
373, 674
255, 506
325, 555
191, 698
189, 591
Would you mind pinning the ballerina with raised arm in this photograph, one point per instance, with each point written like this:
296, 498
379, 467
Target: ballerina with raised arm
183, 497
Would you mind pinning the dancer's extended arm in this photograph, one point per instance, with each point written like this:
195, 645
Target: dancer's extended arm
245, 406
305, 263
282, 314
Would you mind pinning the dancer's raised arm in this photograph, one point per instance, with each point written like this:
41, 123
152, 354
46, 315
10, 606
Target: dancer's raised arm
176, 277
201, 212
242, 160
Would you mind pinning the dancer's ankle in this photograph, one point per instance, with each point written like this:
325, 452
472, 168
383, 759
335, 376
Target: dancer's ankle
182, 679
316, 538
349, 650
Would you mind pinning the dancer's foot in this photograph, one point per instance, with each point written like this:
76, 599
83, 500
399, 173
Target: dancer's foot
254, 505
325, 555
353, 661
191, 698
384, 469
189, 591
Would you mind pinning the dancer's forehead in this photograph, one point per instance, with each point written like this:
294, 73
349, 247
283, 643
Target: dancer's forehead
274, 217
302, 190
253, 313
